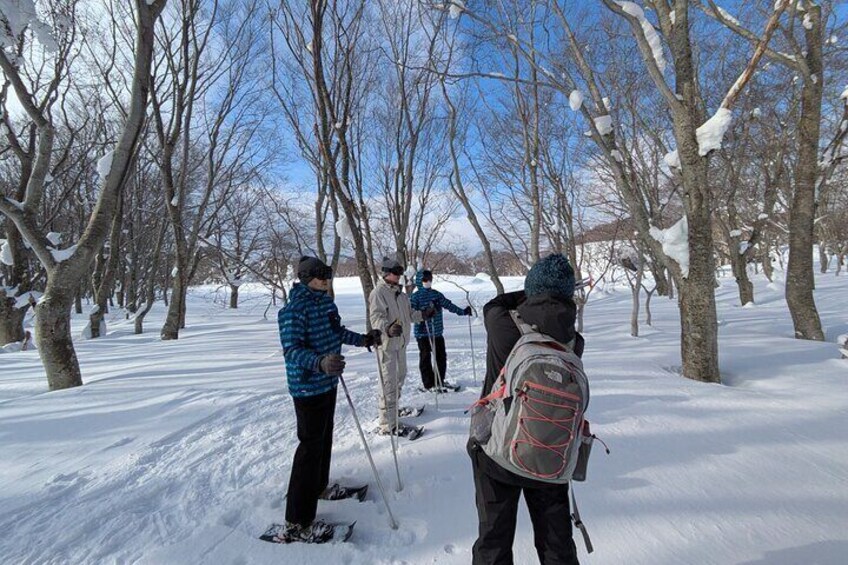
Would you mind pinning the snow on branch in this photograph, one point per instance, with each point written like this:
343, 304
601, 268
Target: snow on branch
18, 15
675, 243
575, 100
651, 35
711, 133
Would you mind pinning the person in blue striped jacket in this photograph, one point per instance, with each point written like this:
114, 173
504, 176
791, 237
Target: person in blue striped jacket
312, 335
424, 297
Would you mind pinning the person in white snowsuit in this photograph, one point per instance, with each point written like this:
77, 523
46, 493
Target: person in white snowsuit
392, 314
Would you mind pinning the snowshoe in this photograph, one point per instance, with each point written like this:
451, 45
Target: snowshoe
410, 411
446, 387
338, 492
406, 431
317, 532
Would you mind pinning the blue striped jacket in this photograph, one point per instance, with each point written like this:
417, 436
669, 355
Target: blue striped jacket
310, 327
424, 297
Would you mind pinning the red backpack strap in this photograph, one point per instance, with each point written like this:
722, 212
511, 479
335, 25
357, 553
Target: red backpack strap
497, 393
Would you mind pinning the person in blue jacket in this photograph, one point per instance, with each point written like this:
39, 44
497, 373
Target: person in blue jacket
421, 299
312, 335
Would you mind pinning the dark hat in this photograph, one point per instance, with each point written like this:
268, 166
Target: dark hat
313, 268
426, 275
553, 275
392, 266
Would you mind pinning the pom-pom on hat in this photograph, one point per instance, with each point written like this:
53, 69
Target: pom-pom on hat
553, 275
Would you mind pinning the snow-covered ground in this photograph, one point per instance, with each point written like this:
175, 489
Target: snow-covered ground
179, 452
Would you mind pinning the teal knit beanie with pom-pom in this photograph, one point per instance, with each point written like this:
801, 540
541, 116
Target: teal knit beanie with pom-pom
553, 275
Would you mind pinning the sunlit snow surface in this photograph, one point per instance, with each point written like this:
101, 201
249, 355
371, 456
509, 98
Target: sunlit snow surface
180, 451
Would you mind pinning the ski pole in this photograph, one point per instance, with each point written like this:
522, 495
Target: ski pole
396, 431
471, 339
392, 520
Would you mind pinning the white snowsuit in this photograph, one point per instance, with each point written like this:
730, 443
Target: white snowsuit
388, 304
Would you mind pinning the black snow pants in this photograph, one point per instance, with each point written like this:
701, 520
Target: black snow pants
497, 511
310, 472
425, 362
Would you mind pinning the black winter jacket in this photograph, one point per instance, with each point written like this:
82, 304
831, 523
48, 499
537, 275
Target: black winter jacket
554, 316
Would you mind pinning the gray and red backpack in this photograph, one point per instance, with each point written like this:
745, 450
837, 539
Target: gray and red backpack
533, 423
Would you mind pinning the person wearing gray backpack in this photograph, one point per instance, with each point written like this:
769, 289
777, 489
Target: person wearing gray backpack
508, 462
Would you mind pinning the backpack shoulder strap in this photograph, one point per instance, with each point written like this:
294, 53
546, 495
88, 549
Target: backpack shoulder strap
527, 329
523, 327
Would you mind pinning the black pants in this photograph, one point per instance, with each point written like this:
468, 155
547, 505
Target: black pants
425, 363
310, 472
497, 511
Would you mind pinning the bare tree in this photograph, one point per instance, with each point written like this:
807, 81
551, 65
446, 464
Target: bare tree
809, 20
328, 44
66, 268
204, 102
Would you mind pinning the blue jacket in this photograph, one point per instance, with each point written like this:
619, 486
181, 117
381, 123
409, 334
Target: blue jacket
424, 297
310, 327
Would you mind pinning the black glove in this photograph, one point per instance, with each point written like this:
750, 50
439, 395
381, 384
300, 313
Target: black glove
395, 330
467, 311
373, 338
428, 312
332, 364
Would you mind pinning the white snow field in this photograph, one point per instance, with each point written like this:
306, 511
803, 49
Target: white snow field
179, 452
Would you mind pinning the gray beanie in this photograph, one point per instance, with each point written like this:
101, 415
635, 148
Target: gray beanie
553, 275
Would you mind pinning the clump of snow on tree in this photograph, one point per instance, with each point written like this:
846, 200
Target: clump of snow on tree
724, 14
604, 124
60, 255
343, 230
675, 243
6, 256
808, 22
651, 35
54, 237
18, 15
672, 159
104, 165
616, 154
575, 100
711, 133
456, 8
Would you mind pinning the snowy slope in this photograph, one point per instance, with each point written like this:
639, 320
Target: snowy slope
179, 452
